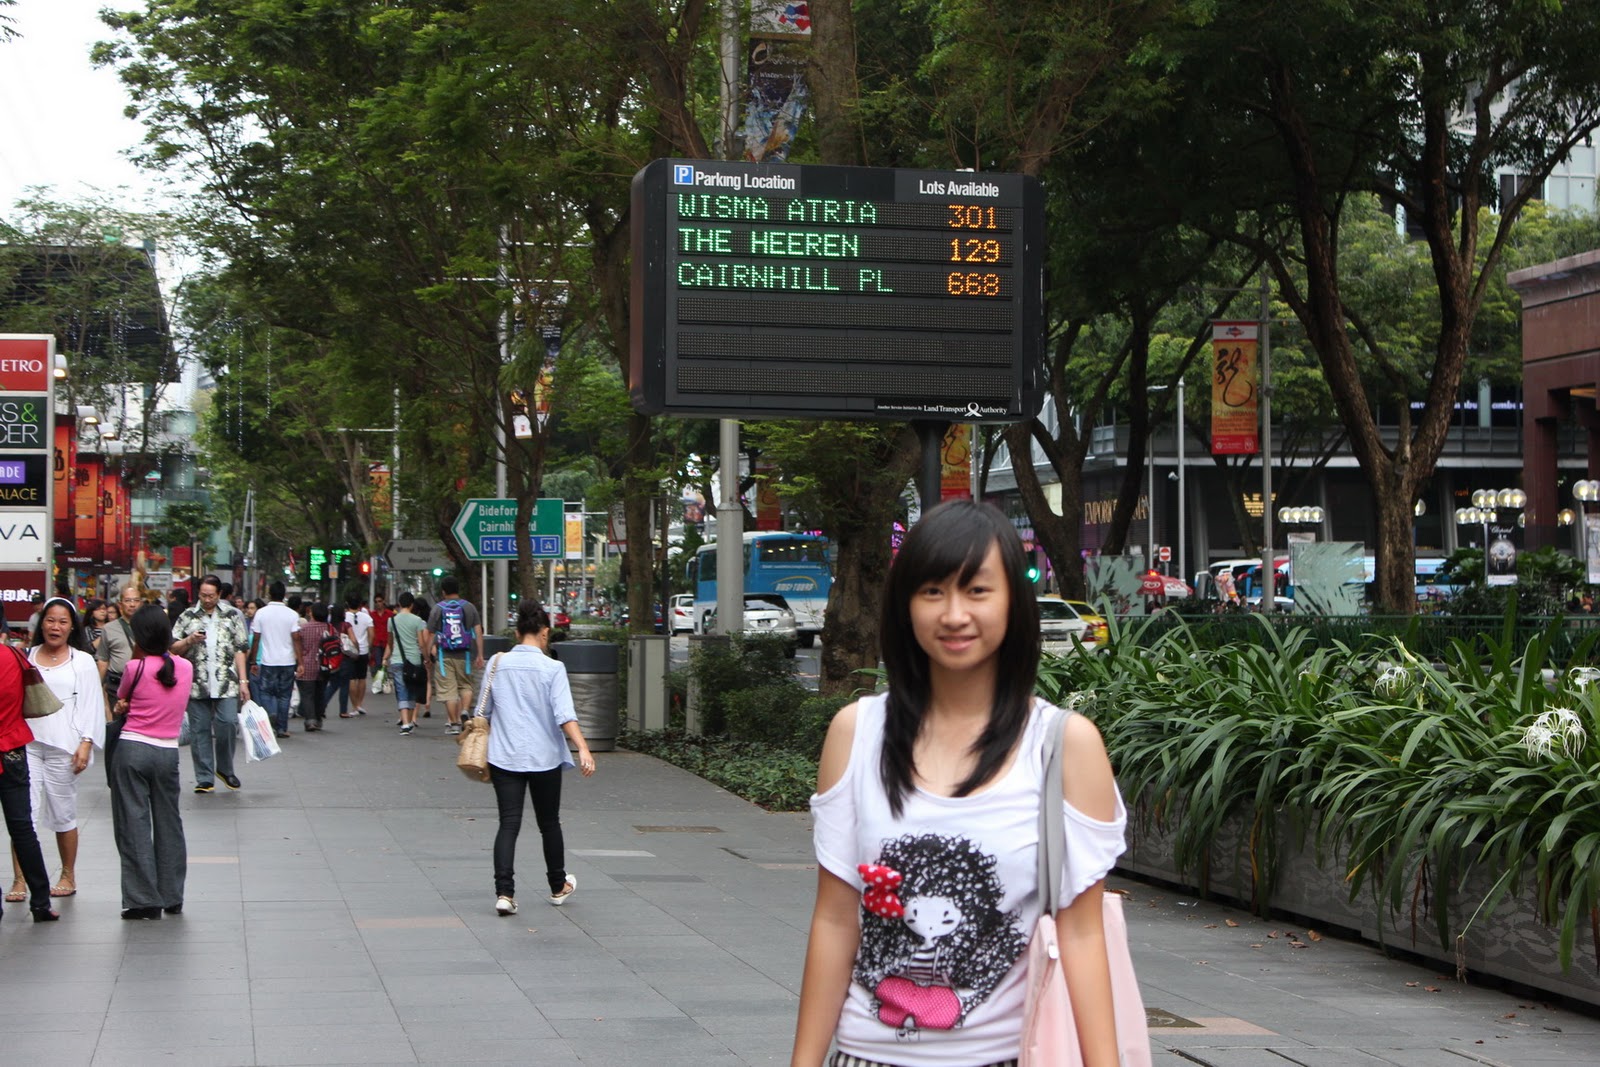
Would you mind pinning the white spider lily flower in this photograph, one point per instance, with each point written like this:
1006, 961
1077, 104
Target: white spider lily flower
1393, 683
1556, 727
1581, 676
1078, 701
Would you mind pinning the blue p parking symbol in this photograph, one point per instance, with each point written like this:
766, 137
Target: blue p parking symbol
683, 174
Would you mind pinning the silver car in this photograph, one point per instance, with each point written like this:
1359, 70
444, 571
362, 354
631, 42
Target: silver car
765, 615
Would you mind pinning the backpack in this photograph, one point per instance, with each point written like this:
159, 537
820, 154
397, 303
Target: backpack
453, 636
330, 653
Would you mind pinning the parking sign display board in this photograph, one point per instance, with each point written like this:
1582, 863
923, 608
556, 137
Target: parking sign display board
836, 292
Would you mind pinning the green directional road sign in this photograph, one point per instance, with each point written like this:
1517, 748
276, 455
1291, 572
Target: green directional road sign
486, 529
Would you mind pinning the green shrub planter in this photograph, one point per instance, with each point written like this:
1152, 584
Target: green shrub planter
1447, 805
1510, 944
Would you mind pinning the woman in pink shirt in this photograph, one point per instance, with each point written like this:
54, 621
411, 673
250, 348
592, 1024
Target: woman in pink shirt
152, 699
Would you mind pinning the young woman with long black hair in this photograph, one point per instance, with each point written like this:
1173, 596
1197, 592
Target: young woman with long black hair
151, 701
926, 824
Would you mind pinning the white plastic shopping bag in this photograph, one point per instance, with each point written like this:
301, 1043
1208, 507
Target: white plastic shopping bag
256, 733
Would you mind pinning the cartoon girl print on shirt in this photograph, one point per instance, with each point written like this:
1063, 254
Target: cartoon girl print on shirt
934, 943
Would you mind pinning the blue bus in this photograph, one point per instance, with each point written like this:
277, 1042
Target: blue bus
792, 565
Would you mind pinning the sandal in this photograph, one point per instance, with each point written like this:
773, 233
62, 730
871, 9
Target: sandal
64, 887
18, 893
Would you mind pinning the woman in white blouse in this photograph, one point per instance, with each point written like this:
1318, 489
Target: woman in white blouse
63, 743
926, 824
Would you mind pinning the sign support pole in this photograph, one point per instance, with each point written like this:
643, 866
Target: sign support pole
730, 537
930, 472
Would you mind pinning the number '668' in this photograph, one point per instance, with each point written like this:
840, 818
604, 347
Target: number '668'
964, 283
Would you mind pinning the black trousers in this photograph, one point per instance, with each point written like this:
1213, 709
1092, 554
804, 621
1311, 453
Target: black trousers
18, 808
545, 789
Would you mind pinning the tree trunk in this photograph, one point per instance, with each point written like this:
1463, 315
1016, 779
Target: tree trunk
855, 600
1061, 536
639, 493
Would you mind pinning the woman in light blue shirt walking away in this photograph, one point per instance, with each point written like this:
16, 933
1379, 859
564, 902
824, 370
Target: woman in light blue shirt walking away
529, 707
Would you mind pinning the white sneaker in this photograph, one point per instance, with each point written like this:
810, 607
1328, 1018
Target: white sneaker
505, 906
560, 898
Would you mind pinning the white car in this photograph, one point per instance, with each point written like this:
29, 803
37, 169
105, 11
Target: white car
765, 615
1059, 621
683, 613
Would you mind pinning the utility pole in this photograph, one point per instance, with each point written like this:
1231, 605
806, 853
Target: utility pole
730, 512
1269, 576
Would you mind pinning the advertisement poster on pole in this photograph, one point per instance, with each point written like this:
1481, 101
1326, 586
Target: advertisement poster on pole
1234, 392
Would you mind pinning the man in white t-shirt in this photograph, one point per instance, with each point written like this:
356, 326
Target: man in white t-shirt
361, 628
272, 657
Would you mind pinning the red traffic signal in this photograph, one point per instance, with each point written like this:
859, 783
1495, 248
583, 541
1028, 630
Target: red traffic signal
366, 567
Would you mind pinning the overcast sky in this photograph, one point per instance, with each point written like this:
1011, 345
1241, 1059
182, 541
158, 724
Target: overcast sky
61, 121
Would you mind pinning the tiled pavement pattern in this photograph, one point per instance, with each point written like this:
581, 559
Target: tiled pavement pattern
340, 911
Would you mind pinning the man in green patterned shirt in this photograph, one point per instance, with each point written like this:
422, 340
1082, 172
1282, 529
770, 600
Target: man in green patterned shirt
215, 637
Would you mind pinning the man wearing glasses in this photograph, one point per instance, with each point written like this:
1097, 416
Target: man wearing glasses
215, 637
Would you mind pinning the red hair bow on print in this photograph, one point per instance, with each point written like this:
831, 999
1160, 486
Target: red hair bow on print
879, 897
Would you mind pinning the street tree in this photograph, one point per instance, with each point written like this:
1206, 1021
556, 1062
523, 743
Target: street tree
1286, 114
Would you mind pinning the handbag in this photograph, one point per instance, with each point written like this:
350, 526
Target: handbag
473, 759
1049, 1031
37, 699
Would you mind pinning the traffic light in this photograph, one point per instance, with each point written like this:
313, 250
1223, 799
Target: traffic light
366, 567
1033, 573
438, 572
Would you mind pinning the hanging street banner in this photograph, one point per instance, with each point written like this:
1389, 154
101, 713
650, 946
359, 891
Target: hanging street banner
487, 528
1234, 393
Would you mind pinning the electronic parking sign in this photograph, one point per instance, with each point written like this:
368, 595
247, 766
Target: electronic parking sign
782, 291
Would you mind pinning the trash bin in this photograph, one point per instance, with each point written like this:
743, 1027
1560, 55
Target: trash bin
592, 674
493, 643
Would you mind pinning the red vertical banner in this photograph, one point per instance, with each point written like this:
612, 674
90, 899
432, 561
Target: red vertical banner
86, 509
955, 463
110, 486
769, 509
63, 462
1234, 392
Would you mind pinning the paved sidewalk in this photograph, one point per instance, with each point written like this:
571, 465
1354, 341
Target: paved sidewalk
340, 911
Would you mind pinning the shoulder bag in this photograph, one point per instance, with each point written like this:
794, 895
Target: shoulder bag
115, 722
37, 699
473, 759
415, 675
1049, 1031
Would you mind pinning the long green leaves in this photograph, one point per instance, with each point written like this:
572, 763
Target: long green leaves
1414, 773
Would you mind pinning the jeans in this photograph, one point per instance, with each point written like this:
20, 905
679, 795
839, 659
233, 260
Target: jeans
339, 683
213, 731
310, 699
545, 788
275, 685
148, 825
403, 696
18, 809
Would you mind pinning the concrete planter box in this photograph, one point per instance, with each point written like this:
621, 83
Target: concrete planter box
1510, 944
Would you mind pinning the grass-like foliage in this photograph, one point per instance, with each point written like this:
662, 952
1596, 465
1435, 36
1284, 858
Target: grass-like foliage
1419, 776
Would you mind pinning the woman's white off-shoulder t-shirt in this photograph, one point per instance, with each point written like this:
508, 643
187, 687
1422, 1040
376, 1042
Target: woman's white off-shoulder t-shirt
948, 900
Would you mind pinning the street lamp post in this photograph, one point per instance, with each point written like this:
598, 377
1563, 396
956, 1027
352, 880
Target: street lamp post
1585, 491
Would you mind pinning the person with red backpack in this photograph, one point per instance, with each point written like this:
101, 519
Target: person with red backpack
458, 636
334, 664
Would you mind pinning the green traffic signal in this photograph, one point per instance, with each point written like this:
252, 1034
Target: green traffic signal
438, 572
1033, 574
